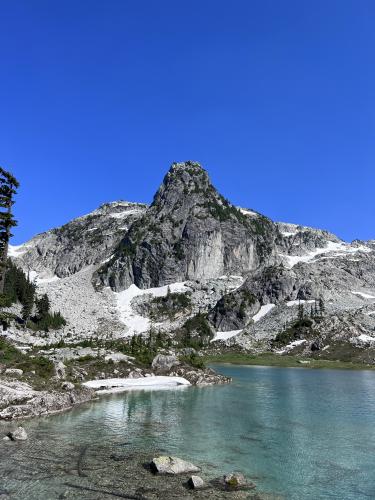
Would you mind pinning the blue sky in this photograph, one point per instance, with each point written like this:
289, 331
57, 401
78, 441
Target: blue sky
275, 98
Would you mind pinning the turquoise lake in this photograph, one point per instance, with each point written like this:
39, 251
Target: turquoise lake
300, 433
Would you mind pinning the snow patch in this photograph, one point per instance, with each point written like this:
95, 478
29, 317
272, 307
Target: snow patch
17, 250
225, 335
292, 303
135, 322
124, 384
121, 215
262, 312
338, 249
245, 211
363, 339
363, 295
291, 346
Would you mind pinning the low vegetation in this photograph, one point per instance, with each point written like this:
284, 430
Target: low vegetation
169, 306
13, 358
268, 359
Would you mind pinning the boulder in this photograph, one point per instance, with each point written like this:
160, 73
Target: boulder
118, 357
195, 482
162, 363
18, 435
67, 386
236, 480
172, 465
59, 368
13, 372
137, 373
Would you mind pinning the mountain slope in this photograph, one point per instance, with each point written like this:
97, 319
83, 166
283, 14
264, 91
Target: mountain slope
239, 271
189, 232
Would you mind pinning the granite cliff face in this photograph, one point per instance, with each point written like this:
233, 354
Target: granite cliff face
189, 232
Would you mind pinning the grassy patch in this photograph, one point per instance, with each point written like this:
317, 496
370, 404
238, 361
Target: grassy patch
269, 359
13, 358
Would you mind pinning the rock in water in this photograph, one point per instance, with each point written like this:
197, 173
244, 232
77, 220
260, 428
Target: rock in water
18, 435
172, 465
189, 232
195, 482
235, 480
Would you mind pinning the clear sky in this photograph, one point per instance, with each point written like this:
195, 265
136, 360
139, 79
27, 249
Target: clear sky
275, 98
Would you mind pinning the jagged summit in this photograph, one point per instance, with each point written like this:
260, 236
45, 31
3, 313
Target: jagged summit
190, 231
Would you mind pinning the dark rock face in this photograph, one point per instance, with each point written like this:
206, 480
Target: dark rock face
189, 232
234, 311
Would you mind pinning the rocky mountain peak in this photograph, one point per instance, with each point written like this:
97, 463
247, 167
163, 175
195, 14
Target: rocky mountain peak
190, 231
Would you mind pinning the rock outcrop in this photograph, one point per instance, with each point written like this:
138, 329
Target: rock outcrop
189, 232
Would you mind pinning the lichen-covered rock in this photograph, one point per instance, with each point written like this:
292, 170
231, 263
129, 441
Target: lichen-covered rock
235, 481
172, 465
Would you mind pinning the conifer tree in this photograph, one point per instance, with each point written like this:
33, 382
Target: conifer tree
322, 308
8, 187
301, 311
27, 305
42, 306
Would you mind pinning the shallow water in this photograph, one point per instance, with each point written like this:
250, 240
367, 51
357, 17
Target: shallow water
301, 433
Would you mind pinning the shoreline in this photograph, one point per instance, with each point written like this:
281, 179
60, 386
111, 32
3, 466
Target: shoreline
275, 360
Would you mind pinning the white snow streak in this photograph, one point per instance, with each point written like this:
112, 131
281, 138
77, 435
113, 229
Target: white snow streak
262, 312
363, 295
337, 249
135, 322
225, 335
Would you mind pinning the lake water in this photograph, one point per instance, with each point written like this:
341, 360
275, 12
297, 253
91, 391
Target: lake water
301, 433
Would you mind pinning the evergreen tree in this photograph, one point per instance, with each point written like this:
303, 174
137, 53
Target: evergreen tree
301, 311
8, 186
27, 305
42, 306
322, 308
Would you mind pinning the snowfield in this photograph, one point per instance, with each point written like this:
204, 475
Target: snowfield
225, 335
109, 385
262, 312
136, 323
337, 249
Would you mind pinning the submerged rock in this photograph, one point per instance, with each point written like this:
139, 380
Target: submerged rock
18, 435
172, 465
236, 480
